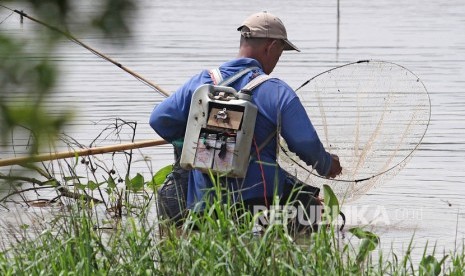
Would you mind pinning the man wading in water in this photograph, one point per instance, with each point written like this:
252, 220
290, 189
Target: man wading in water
263, 40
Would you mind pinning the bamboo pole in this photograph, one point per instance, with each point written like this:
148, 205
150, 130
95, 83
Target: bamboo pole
92, 50
90, 151
82, 152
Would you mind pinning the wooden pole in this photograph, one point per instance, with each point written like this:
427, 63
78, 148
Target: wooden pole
92, 50
82, 152
90, 151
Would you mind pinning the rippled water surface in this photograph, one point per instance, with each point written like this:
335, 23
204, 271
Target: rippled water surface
173, 40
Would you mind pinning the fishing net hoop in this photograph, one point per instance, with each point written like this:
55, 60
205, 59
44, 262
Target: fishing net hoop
392, 111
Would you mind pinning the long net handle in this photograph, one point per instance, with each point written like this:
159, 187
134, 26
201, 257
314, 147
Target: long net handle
82, 152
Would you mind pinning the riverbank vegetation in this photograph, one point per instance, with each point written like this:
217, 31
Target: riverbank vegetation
77, 241
101, 219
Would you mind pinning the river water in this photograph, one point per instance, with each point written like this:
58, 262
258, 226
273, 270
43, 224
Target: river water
173, 40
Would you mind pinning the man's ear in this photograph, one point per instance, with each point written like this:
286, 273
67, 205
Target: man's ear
269, 45
278, 44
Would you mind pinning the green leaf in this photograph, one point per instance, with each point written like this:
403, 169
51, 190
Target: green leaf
111, 182
51, 182
76, 160
369, 242
69, 178
24, 226
159, 177
429, 265
92, 185
363, 251
331, 208
135, 184
80, 186
362, 234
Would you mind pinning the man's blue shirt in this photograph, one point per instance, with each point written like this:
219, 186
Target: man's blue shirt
277, 105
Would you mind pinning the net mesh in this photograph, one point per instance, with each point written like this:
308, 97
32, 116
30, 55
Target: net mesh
372, 114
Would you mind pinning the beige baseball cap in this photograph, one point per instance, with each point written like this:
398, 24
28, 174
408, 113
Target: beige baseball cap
266, 25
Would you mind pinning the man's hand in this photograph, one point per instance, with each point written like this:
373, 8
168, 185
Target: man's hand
336, 168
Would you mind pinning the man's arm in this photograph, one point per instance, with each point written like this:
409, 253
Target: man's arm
302, 138
169, 118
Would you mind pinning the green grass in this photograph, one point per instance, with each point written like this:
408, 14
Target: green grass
211, 243
218, 241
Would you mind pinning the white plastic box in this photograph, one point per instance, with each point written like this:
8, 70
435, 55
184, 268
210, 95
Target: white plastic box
219, 131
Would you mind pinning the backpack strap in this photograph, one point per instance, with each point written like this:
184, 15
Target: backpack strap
217, 78
256, 82
215, 75
251, 86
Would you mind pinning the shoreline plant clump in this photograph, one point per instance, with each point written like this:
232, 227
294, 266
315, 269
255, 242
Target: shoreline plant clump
213, 242
107, 224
